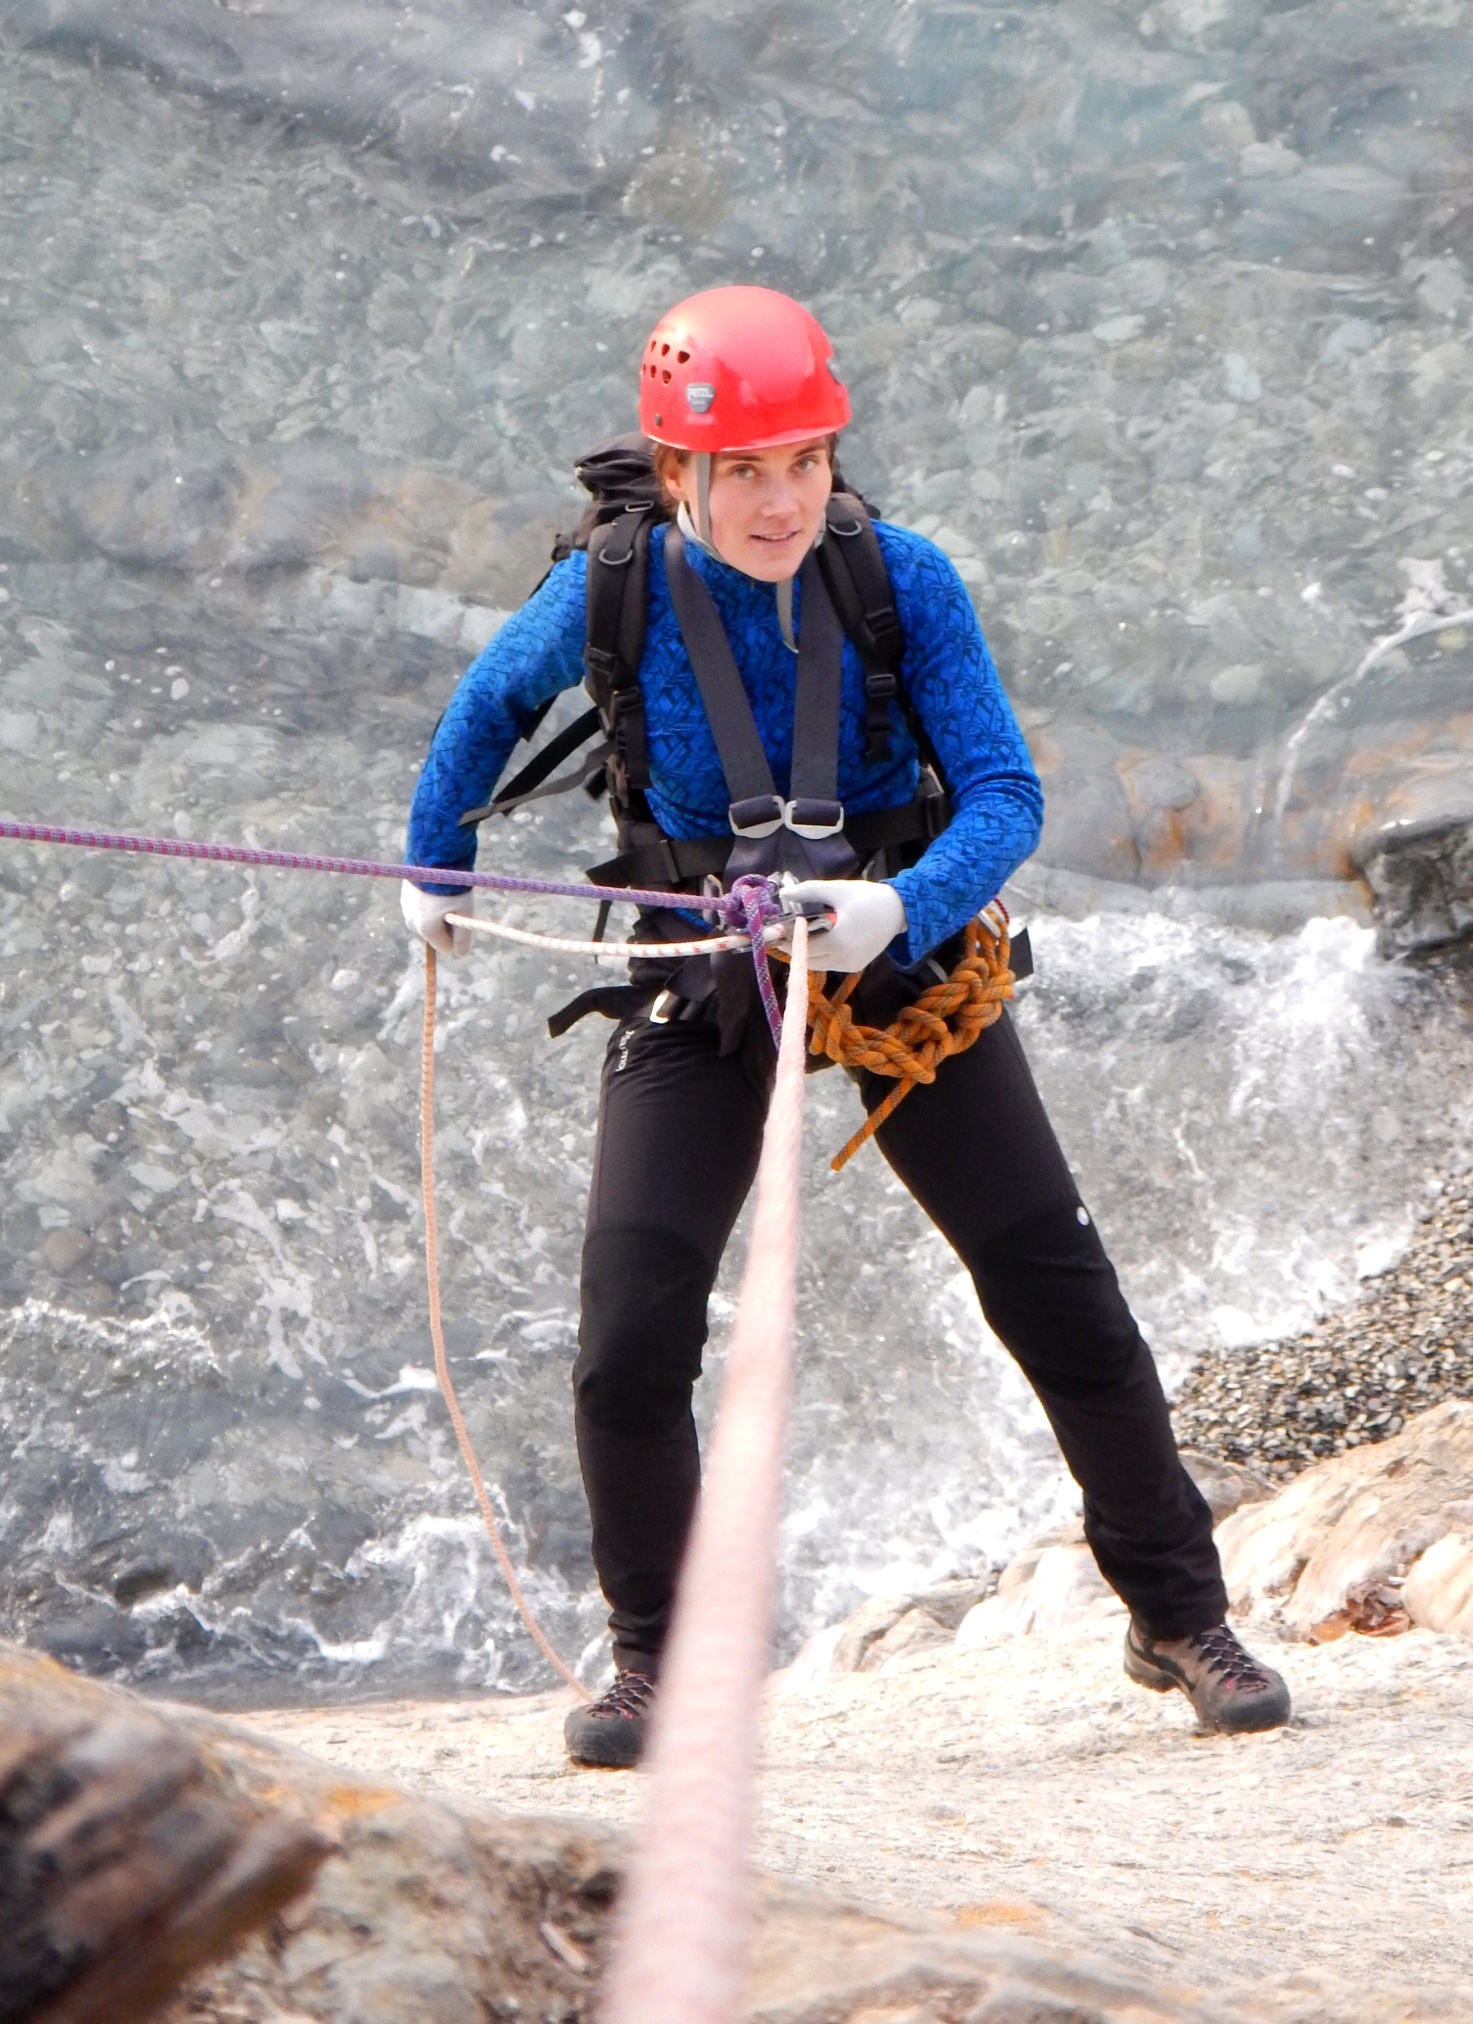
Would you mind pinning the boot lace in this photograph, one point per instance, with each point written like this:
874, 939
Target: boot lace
629, 1696
1220, 1648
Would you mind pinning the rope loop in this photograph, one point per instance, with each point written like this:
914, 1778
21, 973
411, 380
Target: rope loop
945, 1020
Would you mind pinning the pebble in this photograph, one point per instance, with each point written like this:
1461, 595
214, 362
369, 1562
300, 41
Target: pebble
1358, 1375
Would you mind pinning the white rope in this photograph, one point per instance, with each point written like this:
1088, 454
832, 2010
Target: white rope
685, 1912
616, 952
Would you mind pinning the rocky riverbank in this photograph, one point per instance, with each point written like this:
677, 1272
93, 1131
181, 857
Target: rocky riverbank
1029, 1872
1361, 1373
985, 1766
1033, 1835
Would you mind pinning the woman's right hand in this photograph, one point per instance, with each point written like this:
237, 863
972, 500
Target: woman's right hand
424, 915
866, 919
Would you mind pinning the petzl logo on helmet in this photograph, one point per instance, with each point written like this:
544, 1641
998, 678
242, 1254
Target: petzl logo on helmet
699, 396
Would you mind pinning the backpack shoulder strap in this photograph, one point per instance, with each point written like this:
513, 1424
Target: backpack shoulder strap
859, 584
618, 583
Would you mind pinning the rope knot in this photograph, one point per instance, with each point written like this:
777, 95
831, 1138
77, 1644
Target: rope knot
943, 1021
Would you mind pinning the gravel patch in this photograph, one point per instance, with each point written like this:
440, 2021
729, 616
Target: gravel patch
1358, 1375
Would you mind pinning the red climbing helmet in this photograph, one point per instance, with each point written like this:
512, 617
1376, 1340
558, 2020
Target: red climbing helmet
739, 369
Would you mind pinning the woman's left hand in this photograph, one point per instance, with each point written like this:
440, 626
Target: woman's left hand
424, 915
867, 918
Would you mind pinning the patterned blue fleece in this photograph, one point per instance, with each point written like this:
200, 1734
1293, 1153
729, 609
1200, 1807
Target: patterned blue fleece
949, 679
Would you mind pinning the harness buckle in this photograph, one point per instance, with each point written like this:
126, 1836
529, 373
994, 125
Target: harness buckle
765, 814
759, 815
813, 819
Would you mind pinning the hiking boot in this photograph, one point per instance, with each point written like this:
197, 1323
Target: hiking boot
1229, 1689
611, 1730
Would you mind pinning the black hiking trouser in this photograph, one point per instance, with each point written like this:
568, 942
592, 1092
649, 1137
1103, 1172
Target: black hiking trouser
679, 1132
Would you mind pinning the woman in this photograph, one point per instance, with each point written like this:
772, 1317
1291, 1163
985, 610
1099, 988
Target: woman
759, 728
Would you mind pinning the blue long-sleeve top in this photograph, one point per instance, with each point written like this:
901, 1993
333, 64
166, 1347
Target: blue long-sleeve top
948, 677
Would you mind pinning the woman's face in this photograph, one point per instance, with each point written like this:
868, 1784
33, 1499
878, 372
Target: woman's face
766, 505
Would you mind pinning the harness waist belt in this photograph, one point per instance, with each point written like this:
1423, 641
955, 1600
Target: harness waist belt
681, 860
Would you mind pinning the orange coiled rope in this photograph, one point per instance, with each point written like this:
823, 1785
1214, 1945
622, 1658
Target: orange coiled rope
944, 1020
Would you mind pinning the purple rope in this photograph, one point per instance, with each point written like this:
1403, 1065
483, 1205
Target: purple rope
751, 903
349, 867
755, 898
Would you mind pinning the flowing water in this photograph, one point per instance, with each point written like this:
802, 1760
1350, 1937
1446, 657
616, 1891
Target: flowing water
1157, 321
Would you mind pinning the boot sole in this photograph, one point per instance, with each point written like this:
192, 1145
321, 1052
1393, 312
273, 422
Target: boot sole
606, 1753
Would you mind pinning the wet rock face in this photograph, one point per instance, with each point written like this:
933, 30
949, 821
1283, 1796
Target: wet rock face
1155, 320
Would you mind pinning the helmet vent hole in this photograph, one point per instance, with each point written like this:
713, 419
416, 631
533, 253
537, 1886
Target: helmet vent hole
664, 351
682, 358
665, 375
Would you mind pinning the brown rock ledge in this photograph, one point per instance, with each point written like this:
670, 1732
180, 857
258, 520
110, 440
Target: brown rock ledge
432, 1914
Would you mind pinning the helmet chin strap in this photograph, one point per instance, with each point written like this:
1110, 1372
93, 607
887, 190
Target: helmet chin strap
704, 461
784, 594
697, 526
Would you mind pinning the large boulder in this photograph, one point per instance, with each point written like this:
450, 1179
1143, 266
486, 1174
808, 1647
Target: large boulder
1421, 878
1438, 1592
1376, 1539
1043, 1593
129, 1853
1360, 1521
887, 1626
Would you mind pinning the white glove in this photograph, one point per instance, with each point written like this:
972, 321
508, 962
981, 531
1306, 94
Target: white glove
424, 915
868, 917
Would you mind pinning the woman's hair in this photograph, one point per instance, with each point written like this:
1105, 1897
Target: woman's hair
669, 460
